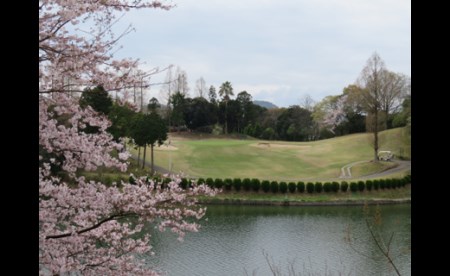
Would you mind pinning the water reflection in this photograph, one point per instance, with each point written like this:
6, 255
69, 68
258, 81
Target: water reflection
233, 239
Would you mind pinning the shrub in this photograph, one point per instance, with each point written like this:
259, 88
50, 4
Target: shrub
228, 182
376, 184
382, 183
361, 186
291, 187
388, 183
120, 179
200, 181
301, 186
131, 180
237, 183
163, 182
310, 187
107, 180
400, 182
156, 180
184, 182
327, 187
344, 186
318, 187
353, 186
210, 182
167, 180
274, 186
394, 183
218, 183
407, 179
403, 181
265, 185
283, 187
369, 185
335, 186
246, 184
256, 184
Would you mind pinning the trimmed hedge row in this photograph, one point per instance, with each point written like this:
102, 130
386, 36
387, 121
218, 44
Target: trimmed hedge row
246, 184
291, 187
265, 185
255, 185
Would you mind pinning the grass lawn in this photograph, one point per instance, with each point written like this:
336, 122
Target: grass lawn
273, 160
370, 167
397, 140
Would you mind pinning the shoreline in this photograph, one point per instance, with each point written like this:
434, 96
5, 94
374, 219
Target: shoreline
305, 203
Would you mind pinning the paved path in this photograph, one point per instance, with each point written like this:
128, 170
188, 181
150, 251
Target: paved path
403, 165
346, 172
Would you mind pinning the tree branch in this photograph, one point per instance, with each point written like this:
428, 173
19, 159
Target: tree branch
113, 217
386, 254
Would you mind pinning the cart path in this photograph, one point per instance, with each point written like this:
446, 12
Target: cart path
403, 165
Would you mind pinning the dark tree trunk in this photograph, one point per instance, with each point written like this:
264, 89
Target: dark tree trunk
153, 169
375, 136
226, 117
143, 158
375, 127
139, 155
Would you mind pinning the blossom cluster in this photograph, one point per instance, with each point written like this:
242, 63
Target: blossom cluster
86, 227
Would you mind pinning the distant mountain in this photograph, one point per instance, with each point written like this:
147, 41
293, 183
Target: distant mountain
265, 104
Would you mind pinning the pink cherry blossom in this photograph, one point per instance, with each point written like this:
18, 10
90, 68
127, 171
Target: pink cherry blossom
86, 227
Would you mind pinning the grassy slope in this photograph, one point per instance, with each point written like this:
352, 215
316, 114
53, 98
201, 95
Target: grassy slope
281, 161
371, 167
396, 140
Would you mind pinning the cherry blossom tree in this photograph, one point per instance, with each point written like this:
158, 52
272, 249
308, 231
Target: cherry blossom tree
330, 112
86, 227
336, 115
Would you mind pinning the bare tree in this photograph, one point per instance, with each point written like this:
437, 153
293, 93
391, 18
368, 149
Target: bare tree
307, 102
393, 88
200, 87
167, 90
181, 82
374, 226
371, 79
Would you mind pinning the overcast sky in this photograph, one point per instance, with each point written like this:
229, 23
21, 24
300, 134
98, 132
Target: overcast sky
277, 50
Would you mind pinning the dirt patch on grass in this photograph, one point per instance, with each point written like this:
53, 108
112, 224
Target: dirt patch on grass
190, 136
279, 146
166, 147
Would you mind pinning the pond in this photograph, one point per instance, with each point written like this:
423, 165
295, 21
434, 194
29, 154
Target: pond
243, 240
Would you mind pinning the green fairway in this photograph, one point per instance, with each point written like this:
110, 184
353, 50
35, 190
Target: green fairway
277, 160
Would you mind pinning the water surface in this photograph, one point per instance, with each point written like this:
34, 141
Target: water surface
309, 239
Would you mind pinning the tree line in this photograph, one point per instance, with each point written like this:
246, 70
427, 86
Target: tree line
379, 99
